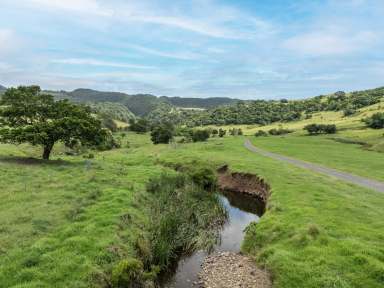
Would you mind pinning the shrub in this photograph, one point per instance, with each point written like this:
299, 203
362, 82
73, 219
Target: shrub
314, 129
376, 121
127, 274
349, 111
163, 133
222, 132
139, 126
235, 131
215, 132
204, 177
200, 135
109, 123
261, 133
280, 131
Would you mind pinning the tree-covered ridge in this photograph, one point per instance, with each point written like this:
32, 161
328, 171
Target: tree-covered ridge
112, 110
206, 103
265, 112
140, 104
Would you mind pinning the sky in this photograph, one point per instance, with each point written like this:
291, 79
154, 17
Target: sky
247, 49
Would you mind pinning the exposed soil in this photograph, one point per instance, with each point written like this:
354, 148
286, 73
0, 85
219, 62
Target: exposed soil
243, 183
227, 270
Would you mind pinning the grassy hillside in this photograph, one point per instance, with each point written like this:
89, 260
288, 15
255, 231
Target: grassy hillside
350, 129
65, 222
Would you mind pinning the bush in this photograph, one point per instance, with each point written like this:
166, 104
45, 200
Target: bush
163, 133
139, 126
235, 131
222, 132
109, 124
127, 274
215, 132
349, 111
200, 135
376, 121
280, 131
314, 129
261, 133
204, 177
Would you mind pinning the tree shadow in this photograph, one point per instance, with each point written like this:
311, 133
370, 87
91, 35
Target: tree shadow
33, 161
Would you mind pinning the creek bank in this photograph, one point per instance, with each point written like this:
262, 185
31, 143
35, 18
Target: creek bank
229, 269
244, 183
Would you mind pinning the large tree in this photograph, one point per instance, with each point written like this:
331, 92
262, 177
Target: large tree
27, 115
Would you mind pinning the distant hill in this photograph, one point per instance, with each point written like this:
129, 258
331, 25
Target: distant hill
140, 104
205, 103
115, 111
2, 89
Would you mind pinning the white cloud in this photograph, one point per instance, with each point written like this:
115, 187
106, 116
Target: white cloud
95, 62
174, 55
80, 6
8, 42
325, 43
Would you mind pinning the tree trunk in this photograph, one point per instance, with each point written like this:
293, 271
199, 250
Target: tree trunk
47, 151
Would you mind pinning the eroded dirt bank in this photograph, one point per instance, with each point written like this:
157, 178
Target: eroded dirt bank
228, 269
243, 183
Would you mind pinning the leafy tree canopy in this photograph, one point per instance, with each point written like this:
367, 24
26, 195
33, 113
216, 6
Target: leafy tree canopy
27, 115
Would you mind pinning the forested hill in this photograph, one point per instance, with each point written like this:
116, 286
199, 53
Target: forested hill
199, 102
264, 112
140, 104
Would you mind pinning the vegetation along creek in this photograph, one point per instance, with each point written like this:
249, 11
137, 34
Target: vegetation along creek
243, 206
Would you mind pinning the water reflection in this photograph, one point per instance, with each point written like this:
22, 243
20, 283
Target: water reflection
242, 210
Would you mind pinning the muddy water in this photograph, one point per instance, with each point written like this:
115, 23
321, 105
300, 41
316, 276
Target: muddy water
242, 210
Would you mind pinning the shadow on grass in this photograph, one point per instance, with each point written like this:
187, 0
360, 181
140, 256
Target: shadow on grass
33, 161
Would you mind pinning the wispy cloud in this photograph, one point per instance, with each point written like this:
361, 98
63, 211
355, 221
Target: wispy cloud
78, 6
174, 54
95, 62
324, 43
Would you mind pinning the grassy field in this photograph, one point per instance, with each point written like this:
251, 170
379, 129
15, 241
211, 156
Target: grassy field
65, 222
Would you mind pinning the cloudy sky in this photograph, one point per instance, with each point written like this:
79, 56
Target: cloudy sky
198, 48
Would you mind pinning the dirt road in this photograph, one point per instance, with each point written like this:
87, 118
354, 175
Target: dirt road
351, 178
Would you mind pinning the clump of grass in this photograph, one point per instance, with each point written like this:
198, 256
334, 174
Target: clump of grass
185, 217
313, 230
128, 273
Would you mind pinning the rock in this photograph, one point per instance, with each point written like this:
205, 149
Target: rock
227, 270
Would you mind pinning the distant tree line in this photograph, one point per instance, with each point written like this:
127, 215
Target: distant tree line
266, 112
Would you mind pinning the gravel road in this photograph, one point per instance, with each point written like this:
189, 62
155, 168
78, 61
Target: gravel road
354, 179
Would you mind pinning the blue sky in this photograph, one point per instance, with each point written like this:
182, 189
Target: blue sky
249, 49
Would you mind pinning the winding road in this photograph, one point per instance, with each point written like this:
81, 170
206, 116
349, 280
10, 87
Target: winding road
351, 178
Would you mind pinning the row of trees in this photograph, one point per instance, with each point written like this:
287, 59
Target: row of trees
266, 112
314, 129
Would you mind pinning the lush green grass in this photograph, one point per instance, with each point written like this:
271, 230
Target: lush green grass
323, 150
68, 223
317, 231
63, 223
